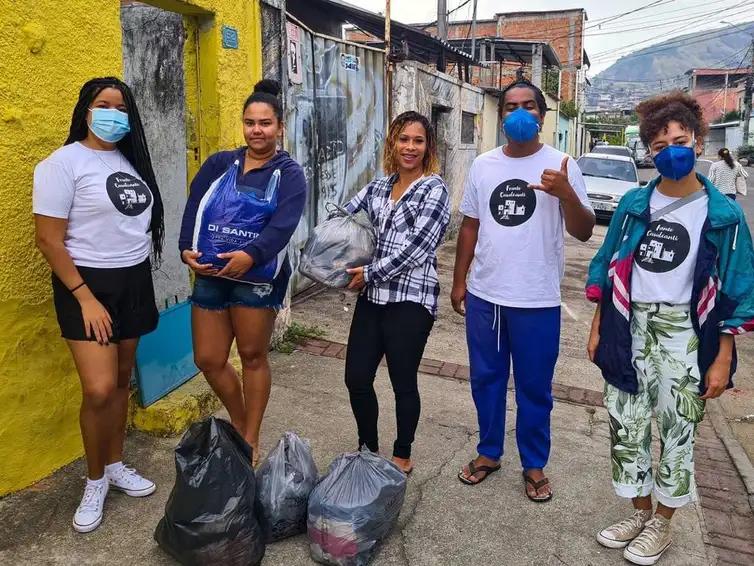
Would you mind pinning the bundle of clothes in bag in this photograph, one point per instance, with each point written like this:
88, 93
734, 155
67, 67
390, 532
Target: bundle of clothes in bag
221, 513
341, 242
210, 518
354, 508
284, 482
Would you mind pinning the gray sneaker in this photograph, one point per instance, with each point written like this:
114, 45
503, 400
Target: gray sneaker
621, 534
648, 547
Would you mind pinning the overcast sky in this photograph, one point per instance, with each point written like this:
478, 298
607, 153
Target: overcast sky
605, 42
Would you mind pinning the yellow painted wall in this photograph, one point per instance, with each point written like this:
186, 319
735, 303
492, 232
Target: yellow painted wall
490, 123
550, 125
48, 49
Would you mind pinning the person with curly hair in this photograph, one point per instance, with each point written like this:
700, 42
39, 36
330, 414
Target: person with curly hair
517, 201
726, 172
674, 284
399, 290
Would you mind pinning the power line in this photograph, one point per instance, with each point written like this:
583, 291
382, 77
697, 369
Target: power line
670, 44
670, 79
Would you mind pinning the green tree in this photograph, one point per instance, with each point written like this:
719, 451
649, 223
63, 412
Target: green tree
569, 109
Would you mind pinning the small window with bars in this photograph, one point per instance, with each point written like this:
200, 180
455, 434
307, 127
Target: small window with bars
468, 128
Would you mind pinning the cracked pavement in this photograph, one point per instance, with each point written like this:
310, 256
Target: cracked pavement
442, 522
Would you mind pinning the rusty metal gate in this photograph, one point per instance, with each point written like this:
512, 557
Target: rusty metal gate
335, 122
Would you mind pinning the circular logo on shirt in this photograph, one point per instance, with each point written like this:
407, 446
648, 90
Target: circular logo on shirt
664, 247
128, 194
512, 203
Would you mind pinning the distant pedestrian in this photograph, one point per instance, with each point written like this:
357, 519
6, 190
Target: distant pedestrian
518, 198
98, 215
674, 283
399, 290
726, 172
223, 307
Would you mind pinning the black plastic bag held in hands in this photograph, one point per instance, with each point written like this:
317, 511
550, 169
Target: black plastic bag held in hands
342, 241
353, 508
284, 483
209, 519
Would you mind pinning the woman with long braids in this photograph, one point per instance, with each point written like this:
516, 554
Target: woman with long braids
98, 214
399, 290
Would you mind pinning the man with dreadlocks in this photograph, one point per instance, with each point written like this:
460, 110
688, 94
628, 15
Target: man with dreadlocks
517, 199
98, 215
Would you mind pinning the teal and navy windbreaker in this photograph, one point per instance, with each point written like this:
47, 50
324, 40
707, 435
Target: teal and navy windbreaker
723, 290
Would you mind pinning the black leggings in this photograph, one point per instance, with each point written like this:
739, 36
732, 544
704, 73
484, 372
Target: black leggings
399, 331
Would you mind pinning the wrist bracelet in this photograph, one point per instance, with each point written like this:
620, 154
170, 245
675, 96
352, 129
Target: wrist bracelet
77, 287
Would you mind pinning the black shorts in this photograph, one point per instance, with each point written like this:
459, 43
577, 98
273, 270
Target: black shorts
126, 292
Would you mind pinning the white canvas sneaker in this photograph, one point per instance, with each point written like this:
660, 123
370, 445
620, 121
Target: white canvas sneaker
129, 482
621, 534
648, 547
89, 513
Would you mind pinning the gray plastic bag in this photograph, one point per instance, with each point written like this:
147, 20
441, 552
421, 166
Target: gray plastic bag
284, 482
354, 508
341, 242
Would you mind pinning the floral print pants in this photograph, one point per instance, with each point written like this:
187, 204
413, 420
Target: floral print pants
665, 358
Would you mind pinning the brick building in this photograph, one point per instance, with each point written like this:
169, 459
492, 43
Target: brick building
716, 90
562, 29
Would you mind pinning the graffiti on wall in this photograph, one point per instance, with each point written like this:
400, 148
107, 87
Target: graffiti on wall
336, 120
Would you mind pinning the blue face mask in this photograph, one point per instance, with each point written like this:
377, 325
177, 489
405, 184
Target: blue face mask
109, 125
521, 126
675, 161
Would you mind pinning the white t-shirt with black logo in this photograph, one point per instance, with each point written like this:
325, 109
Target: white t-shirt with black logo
107, 204
519, 257
665, 259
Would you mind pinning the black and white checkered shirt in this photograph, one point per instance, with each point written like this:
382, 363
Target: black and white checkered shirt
408, 234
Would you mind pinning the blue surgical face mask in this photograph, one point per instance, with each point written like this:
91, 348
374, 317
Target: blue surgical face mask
109, 125
520, 126
676, 161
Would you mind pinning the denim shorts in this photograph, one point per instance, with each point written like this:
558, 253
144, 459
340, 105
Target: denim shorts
215, 293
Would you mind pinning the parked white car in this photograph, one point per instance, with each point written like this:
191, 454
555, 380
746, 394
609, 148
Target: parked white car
613, 150
607, 178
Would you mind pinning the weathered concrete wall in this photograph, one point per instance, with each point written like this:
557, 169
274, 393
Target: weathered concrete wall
153, 66
432, 89
48, 49
335, 124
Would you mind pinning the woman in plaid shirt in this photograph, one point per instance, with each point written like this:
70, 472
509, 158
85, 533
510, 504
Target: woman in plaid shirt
399, 290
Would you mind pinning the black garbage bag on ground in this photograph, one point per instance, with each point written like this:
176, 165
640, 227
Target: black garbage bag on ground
342, 241
353, 508
284, 482
209, 518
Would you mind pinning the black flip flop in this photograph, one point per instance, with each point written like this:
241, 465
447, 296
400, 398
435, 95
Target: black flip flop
474, 469
537, 485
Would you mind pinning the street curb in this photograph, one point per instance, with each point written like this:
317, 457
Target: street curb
173, 414
736, 452
725, 476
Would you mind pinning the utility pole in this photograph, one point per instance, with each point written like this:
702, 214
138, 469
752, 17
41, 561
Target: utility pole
473, 32
442, 31
747, 95
442, 20
388, 77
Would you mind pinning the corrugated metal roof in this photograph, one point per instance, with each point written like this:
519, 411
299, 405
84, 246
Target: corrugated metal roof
421, 46
514, 50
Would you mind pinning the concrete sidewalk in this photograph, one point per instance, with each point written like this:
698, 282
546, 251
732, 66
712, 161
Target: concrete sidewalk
442, 523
